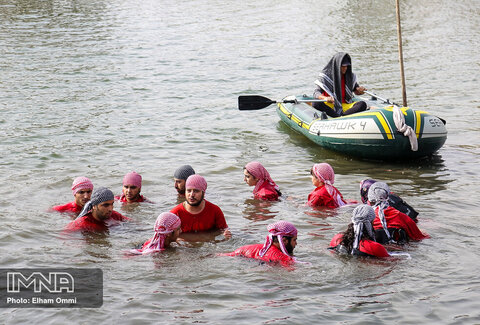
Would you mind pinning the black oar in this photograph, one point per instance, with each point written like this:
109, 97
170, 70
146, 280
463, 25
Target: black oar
254, 102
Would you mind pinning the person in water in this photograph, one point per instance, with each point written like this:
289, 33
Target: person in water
394, 200
336, 84
198, 214
265, 188
97, 215
167, 228
324, 194
180, 176
391, 225
359, 238
132, 185
278, 246
82, 188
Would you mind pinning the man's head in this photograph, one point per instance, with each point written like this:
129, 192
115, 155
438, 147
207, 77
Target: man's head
378, 193
285, 234
132, 185
195, 188
82, 188
322, 174
180, 176
346, 63
364, 187
101, 204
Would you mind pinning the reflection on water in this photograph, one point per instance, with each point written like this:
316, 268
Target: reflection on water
259, 210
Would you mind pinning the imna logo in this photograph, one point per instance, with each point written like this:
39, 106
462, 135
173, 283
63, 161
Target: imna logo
54, 282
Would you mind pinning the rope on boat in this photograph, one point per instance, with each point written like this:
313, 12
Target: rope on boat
407, 131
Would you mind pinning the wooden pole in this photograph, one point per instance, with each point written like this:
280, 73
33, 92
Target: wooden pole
400, 54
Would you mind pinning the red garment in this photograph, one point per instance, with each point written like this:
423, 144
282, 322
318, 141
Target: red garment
88, 223
211, 218
123, 199
272, 255
71, 207
397, 219
324, 93
320, 197
266, 192
366, 246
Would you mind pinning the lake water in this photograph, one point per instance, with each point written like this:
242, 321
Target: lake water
100, 88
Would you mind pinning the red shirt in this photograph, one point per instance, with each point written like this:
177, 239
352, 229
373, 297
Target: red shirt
320, 197
272, 255
211, 218
397, 219
343, 90
266, 192
366, 246
123, 199
89, 223
71, 207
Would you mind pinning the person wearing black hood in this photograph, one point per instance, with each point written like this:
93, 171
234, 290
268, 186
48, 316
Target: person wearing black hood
336, 84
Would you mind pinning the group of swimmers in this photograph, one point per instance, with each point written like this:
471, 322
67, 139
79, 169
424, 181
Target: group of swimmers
382, 219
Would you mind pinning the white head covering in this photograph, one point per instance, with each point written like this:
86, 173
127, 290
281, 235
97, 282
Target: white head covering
362, 218
378, 196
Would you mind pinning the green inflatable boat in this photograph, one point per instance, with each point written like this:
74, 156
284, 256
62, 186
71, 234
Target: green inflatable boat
385, 131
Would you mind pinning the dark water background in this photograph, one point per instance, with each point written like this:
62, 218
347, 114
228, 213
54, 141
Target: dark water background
100, 88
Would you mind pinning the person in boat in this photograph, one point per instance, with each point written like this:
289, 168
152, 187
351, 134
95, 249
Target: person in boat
391, 225
278, 246
132, 185
166, 228
82, 188
324, 194
394, 200
359, 238
336, 84
180, 176
198, 214
98, 214
265, 188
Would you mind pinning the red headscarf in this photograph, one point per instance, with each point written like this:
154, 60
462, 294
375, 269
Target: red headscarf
258, 171
279, 229
166, 223
325, 173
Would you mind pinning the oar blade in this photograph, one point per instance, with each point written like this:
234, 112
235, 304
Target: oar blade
253, 102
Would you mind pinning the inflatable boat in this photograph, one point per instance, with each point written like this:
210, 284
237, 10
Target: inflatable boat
385, 131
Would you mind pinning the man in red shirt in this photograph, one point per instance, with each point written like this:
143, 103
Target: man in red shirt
82, 189
278, 246
98, 214
132, 185
198, 214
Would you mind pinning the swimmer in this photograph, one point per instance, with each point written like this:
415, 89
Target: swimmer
97, 215
180, 176
394, 200
359, 238
265, 188
198, 214
391, 225
82, 188
278, 246
325, 194
132, 185
167, 229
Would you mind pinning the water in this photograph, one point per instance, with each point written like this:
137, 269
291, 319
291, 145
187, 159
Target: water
100, 88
